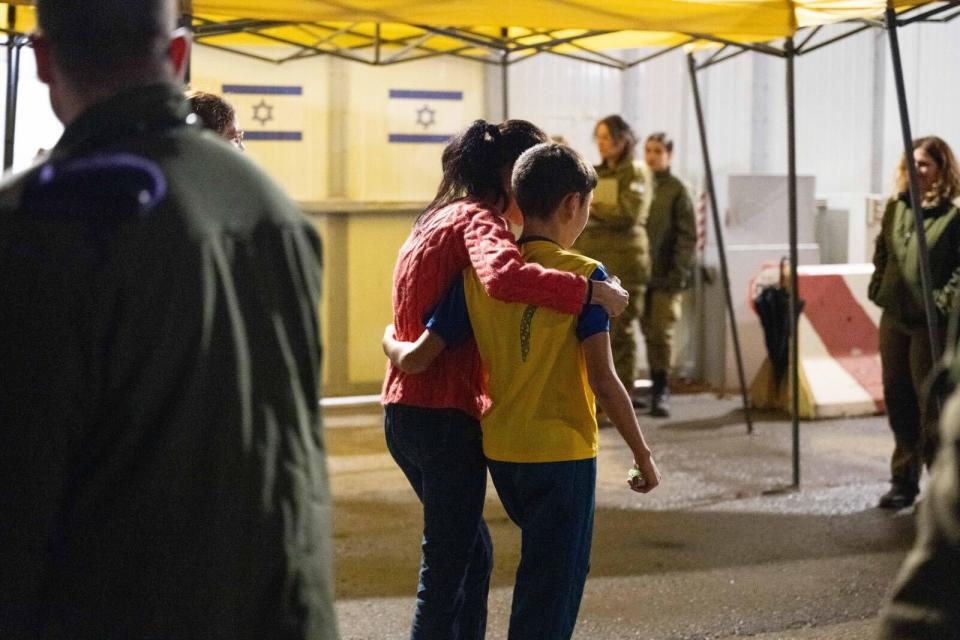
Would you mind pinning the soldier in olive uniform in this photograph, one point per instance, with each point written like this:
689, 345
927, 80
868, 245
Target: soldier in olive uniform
926, 596
672, 229
895, 287
162, 470
616, 233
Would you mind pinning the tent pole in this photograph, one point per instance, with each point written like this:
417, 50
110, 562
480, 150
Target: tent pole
718, 227
505, 77
926, 279
13, 83
186, 22
794, 259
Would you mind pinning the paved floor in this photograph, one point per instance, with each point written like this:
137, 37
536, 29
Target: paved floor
717, 551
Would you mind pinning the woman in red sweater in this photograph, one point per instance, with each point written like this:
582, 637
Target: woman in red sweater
432, 418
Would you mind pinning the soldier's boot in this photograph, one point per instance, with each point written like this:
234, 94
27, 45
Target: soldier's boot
899, 496
660, 395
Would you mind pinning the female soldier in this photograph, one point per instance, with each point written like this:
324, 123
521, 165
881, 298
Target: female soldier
432, 421
616, 233
895, 287
672, 229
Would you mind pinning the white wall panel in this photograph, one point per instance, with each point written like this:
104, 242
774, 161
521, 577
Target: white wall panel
930, 56
564, 97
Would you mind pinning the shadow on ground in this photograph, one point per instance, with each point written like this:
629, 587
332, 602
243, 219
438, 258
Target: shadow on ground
377, 542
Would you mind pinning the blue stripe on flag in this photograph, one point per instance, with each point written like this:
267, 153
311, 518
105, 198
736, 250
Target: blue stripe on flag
263, 89
426, 95
420, 137
295, 136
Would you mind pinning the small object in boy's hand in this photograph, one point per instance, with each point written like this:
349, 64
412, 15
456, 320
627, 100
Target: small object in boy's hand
635, 477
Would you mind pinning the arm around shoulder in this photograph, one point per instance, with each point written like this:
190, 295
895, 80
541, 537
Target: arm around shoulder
506, 277
412, 357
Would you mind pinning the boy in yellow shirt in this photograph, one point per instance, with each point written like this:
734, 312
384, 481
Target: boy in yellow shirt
545, 372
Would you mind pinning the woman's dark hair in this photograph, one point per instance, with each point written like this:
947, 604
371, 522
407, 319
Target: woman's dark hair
546, 174
621, 132
663, 139
475, 160
947, 186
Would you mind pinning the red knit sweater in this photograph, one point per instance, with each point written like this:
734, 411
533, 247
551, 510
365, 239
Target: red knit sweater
465, 233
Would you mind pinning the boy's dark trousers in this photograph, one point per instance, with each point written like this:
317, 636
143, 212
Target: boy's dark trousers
552, 503
440, 452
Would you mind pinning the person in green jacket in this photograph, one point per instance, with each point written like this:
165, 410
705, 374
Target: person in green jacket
895, 287
672, 230
616, 234
162, 465
923, 603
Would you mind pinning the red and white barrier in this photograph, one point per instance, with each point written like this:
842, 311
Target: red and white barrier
840, 373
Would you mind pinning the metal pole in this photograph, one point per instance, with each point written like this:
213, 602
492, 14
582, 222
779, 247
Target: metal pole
718, 227
186, 22
926, 279
13, 82
794, 258
505, 76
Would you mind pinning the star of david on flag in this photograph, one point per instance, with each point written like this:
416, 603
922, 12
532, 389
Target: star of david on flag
268, 112
420, 116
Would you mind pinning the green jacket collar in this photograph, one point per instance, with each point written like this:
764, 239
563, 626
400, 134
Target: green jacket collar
127, 114
625, 163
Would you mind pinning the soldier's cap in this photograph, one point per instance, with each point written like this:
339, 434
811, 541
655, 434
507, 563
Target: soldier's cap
112, 186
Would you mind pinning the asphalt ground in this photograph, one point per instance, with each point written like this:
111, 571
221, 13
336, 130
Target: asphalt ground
723, 548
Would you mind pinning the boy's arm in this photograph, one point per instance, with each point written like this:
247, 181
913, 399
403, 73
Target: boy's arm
506, 277
448, 325
413, 357
613, 399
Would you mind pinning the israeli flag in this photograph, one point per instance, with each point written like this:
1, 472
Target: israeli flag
418, 116
268, 112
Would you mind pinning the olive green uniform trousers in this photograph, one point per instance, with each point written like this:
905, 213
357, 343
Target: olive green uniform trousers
661, 312
905, 357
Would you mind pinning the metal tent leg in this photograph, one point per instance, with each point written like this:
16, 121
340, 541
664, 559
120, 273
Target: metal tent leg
915, 203
14, 46
794, 258
711, 192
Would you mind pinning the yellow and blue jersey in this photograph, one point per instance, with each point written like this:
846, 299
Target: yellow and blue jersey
542, 404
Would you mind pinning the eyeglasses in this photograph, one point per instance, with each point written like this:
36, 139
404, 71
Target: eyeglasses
237, 139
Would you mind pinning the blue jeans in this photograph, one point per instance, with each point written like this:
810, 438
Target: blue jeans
440, 452
552, 503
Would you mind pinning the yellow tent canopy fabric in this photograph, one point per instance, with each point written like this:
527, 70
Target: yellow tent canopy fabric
631, 23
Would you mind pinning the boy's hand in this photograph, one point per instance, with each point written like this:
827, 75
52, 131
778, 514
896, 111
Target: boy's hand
611, 296
644, 476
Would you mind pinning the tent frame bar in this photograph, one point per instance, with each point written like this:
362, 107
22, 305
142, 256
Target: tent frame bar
794, 307
926, 278
718, 228
492, 46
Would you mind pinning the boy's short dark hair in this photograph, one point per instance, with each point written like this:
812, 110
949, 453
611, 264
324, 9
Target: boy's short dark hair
547, 173
106, 37
214, 112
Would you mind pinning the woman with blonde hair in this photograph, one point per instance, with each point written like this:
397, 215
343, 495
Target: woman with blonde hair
896, 288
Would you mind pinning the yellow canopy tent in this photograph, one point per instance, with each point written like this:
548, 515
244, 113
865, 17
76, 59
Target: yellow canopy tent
388, 31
